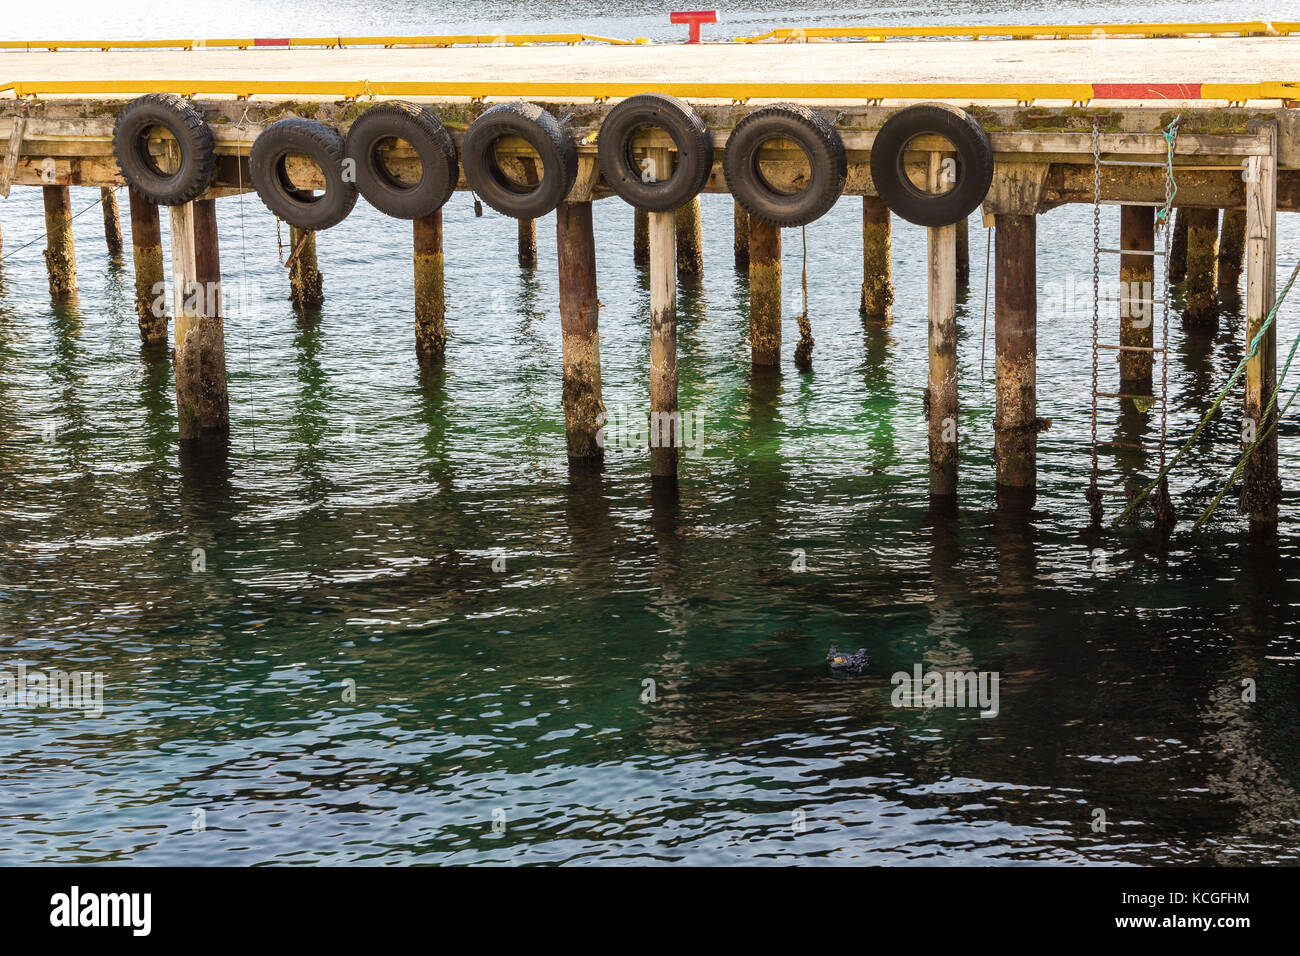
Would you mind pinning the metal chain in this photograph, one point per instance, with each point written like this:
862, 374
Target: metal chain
1094, 493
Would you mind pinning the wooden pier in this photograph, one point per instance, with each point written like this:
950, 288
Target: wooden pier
1073, 115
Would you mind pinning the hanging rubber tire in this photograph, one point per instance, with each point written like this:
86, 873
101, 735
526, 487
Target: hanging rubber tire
543, 132
431, 142
973, 169
198, 163
828, 167
689, 134
302, 207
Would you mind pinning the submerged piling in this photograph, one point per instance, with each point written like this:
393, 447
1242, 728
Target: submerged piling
579, 316
1137, 276
1232, 254
1015, 426
306, 288
740, 235
641, 238
963, 252
60, 253
147, 254
877, 285
528, 243
1261, 489
202, 402
112, 222
430, 305
663, 336
690, 240
1178, 247
764, 293
941, 388
1202, 305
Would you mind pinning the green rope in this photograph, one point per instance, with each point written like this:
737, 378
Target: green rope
1259, 437
1232, 380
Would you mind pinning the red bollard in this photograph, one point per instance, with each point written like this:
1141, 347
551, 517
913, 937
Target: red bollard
694, 18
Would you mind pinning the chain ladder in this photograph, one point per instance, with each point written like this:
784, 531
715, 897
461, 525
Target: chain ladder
1094, 493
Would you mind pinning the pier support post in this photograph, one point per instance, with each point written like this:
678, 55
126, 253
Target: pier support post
579, 315
740, 235
1015, 429
1232, 254
430, 305
764, 293
202, 403
641, 238
306, 289
941, 388
146, 252
963, 252
1178, 247
112, 221
1202, 260
663, 336
528, 243
60, 254
1261, 490
877, 285
690, 240
1137, 275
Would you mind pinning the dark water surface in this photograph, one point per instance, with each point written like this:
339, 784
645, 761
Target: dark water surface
349, 534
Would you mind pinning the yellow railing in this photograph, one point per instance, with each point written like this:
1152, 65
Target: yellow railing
474, 39
785, 34
1028, 32
599, 90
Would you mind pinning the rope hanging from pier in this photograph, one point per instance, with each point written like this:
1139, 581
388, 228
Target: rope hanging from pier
803, 351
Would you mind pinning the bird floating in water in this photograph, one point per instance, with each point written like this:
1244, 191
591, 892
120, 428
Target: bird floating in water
848, 663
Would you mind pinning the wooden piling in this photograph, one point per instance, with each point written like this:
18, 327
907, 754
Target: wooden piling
60, 253
764, 293
877, 285
941, 390
430, 304
579, 315
1178, 247
1015, 425
963, 252
528, 243
1137, 274
1261, 490
1232, 254
112, 221
202, 403
306, 288
146, 252
690, 240
641, 238
1202, 304
740, 235
663, 335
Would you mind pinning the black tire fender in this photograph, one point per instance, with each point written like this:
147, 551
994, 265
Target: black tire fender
300, 207
418, 126
973, 168
555, 148
820, 143
627, 178
198, 158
